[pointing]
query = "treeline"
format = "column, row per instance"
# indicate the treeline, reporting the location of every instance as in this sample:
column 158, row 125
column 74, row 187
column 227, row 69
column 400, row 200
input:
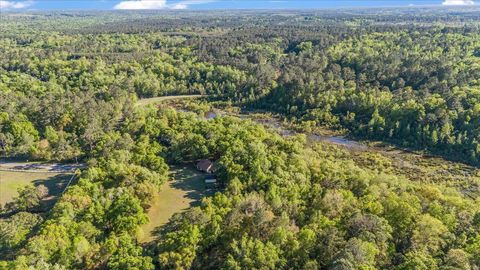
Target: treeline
column 416, row 87
column 285, row 205
column 60, row 94
column 96, row 221
column 413, row 84
column 419, row 90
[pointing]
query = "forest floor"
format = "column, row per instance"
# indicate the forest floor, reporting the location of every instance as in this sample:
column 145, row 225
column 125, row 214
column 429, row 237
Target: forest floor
column 10, row 181
column 185, row 189
column 148, row 101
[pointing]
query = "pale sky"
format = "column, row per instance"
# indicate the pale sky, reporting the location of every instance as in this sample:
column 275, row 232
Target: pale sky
column 216, row 4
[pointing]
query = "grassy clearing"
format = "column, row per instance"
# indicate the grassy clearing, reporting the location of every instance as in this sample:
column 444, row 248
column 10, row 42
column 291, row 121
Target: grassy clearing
column 148, row 101
column 184, row 190
column 11, row 181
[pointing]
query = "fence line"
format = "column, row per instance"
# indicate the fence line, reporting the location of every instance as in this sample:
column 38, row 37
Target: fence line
column 68, row 184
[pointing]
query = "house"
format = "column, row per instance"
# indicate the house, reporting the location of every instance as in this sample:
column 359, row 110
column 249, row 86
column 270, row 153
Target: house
column 210, row 182
column 205, row 165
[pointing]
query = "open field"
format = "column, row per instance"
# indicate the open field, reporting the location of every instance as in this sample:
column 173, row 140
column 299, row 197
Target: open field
column 148, row 101
column 10, row 181
column 184, row 190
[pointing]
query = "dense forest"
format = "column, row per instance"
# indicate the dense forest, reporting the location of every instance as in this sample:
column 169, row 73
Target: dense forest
column 69, row 84
column 414, row 85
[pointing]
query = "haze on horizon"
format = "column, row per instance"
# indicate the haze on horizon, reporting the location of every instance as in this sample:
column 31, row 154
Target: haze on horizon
column 32, row 5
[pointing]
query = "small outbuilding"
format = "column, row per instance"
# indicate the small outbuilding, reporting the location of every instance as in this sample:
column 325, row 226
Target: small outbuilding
column 205, row 165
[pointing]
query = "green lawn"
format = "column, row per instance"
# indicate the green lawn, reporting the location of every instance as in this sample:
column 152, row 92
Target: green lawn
column 147, row 101
column 184, row 190
column 11, row 181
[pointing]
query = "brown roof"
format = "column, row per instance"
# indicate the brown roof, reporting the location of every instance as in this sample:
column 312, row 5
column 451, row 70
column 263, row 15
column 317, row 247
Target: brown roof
column 205, row 165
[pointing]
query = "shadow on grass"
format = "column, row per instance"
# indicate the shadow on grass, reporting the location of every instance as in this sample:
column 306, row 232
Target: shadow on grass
column 189, row 180
column 55, row 184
